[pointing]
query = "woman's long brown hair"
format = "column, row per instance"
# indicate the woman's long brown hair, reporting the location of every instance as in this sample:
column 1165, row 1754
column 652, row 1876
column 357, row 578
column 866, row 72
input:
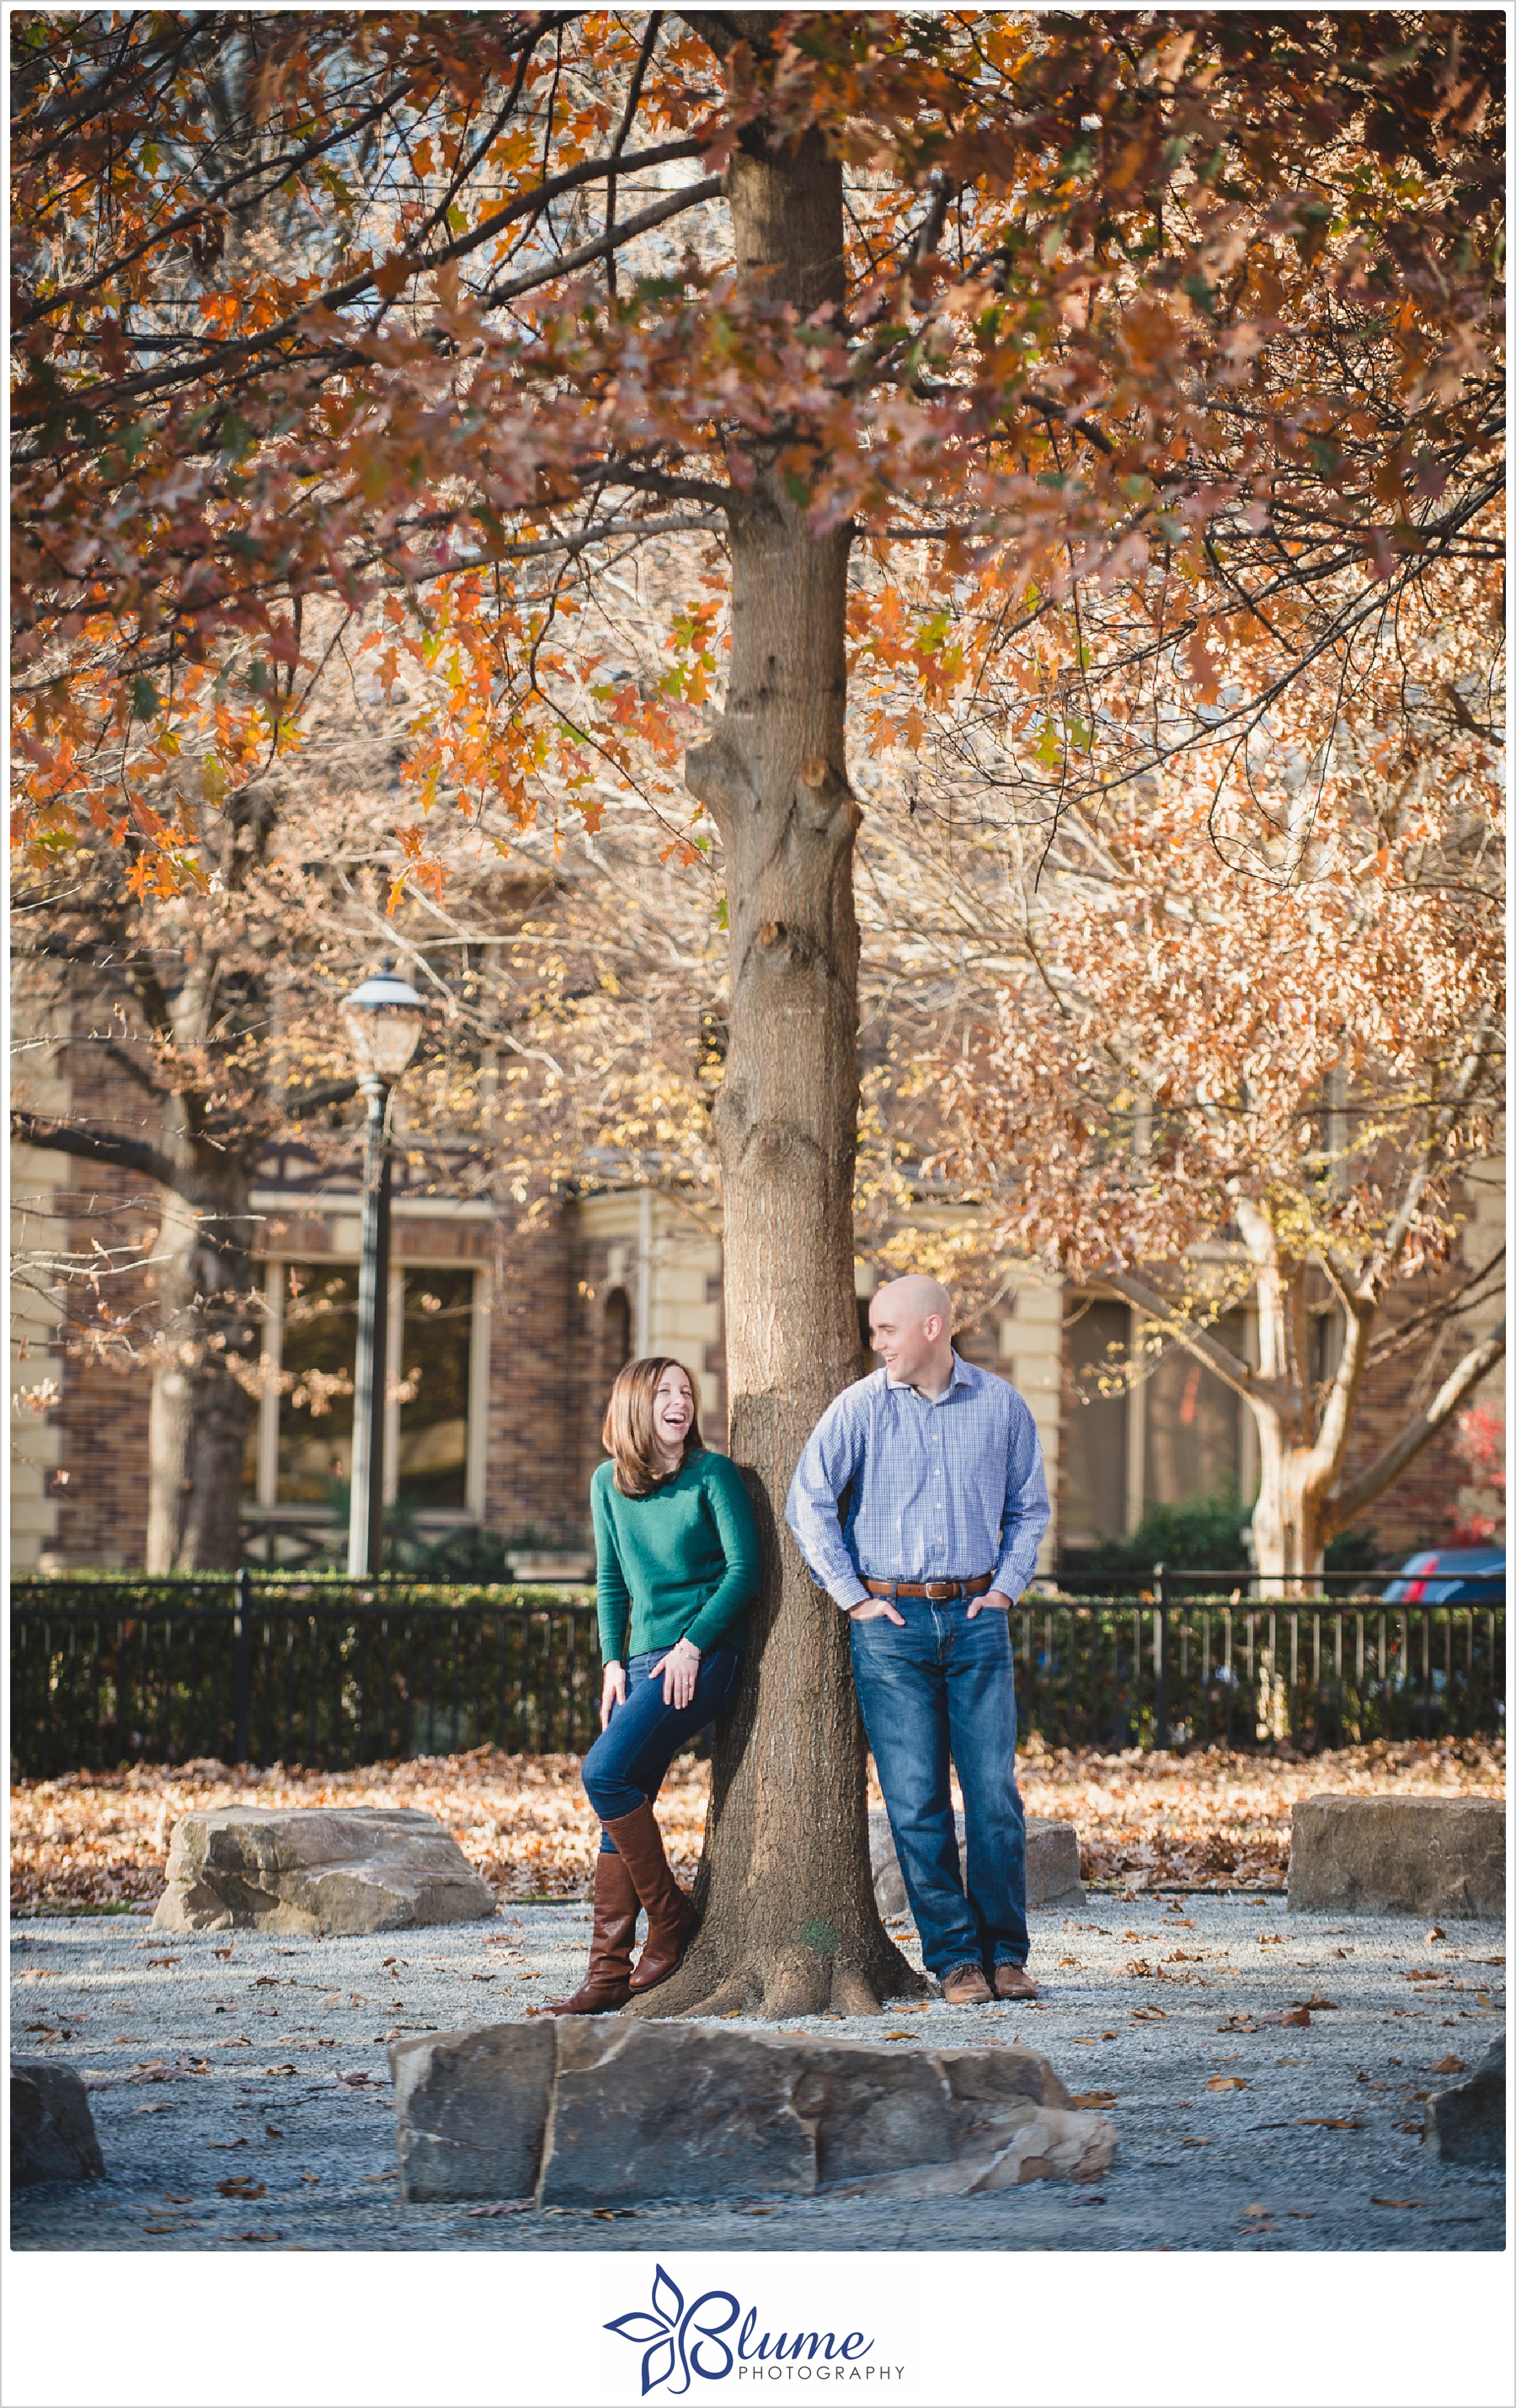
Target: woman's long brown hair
column 628, row 1433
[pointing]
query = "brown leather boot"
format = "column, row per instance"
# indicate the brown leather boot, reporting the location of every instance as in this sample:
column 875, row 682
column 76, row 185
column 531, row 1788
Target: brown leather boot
column 671, row 1917
column 607, row 1983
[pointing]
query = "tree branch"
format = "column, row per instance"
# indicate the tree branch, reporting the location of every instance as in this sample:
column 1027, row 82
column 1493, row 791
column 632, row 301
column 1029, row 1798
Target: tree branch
column 1219, row 1358
column 93, row 1145
column 1350, row 1502
column 607, row 243
column 316, row 1099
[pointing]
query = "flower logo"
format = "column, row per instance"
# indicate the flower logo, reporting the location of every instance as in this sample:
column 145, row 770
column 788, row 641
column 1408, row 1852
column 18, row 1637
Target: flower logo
column 664, row 2336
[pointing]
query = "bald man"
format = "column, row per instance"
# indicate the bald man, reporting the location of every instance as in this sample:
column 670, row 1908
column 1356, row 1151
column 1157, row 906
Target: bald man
column 946, row 1503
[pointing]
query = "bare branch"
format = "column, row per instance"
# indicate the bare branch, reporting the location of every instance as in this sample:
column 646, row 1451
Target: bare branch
column 1387, row 1467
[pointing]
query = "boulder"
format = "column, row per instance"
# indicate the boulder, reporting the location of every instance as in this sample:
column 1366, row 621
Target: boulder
column 1052, row 1865
column 610, row 2111
column 1438, row 1856
column 52, row 2129
column 472, row 2110
column 305, row 1869
column 1466, row 2122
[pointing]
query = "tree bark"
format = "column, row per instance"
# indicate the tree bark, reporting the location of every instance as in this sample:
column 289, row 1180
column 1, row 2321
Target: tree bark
column 789, row 1924
column 199, row 1417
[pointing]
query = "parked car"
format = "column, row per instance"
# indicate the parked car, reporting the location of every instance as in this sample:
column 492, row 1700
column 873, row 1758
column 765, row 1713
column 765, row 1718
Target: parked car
column 1450, row 1576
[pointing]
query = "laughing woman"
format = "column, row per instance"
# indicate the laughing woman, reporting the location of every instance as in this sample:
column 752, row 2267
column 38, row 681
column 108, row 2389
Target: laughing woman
column 678, row 1558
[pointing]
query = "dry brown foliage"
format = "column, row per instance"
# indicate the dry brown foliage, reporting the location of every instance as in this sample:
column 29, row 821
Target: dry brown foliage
column 1214, row 1821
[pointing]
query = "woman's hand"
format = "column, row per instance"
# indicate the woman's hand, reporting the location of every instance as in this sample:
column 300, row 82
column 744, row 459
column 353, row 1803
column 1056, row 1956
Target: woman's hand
column 680, row 1669
column 612, row 1690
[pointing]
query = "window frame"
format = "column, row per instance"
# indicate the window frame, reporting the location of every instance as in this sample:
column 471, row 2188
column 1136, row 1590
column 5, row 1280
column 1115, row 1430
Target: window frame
column 264, row 1505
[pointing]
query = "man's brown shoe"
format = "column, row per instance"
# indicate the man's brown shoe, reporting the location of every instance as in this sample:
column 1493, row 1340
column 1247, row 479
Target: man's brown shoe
column 1014, row 1982
column 965, row 1986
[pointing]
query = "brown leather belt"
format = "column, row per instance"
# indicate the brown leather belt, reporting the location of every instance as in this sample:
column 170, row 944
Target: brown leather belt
column 938, row 1590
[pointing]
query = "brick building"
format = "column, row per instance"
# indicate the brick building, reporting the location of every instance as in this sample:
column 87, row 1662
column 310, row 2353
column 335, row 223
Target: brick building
column 506, row 1337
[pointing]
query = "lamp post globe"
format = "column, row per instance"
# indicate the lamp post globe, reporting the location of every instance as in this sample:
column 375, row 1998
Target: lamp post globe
column 384, row 1020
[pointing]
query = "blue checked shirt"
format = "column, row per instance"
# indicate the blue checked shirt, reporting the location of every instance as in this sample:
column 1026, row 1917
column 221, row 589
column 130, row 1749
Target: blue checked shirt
column 941, row 1491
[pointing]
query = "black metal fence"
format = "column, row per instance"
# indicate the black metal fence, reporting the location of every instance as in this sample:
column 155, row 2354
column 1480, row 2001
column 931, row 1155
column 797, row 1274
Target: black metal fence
column 328, row 1673
column 317, row 1671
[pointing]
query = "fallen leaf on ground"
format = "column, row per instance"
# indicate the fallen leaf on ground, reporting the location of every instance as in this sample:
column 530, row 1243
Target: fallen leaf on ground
column 273, row 2132
column 1093, row 2098
column 508, row 2207
column 1334, row 2122
column 1437, row 1932
column 1298, row 2015
column 238, row 2144
column 1318, row 2005
column 311, row 2178
column 1226, row 2082
column 256, row 2236
column 1450, row 2065
column 241, row 2187
column 1195, row 2144
column 1302, row 2214
column 1397, row 2202
column 1216, row 1821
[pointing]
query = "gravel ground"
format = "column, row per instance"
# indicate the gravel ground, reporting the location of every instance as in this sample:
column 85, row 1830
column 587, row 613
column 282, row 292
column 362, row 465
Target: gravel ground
column 233, row 2059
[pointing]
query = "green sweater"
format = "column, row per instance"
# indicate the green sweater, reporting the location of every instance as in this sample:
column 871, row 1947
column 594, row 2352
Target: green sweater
column 680, row 1564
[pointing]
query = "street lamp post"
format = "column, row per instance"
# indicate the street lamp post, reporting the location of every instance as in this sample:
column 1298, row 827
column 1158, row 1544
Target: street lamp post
column 384, row 1021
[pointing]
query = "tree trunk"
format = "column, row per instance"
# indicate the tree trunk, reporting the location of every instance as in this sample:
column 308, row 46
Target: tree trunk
column 789, row 1924
column 1288, row 1542
column 197, row 1423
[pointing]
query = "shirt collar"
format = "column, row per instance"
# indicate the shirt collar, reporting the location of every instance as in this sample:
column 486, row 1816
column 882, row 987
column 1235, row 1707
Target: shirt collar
column 962, row 1377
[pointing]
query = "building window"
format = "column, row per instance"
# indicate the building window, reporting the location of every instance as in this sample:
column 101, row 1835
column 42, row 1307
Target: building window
column 1096, row 1431
column 300, row 1451
column 1195, row 1430
column 616, row 1332
column 431, row 1459
column 318, row 1340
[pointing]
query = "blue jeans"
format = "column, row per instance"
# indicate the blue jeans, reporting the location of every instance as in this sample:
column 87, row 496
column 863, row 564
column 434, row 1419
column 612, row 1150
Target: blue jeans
column 945, row 1685
column 625, row 1767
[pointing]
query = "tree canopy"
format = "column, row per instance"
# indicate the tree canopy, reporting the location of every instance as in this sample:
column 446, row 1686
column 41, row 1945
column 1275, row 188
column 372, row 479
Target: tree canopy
column 1169, row 346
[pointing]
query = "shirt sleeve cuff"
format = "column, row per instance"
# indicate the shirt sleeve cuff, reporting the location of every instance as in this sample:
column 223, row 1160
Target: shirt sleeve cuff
column 1005, row 1582
column 850, row 1594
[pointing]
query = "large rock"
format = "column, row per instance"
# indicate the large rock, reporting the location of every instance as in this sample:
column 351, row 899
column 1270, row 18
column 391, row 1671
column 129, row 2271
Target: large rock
column 1437, row 1856
column 1052, row 1865
column 317, row 1869
column 1466, row 2122
column 472, row 2111
column 618, row 2111
column 52, row 2129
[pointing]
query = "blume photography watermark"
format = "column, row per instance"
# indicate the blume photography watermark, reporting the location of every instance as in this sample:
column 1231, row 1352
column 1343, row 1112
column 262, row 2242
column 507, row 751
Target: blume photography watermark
column 716, row 2339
